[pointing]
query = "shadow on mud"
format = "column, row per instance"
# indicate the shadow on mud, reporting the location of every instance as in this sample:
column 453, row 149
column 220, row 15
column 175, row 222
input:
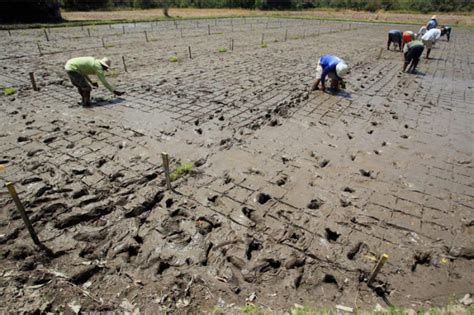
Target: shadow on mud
column 107, row 102
column 340, row 93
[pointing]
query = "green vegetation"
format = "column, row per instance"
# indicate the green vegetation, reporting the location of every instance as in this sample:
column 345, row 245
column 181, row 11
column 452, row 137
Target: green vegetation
column 222, row 50
column 264, row 45
column 173, row 58
column 181, row 169
column 369, row 5
column 9, row 90
column 299, row 310
column 251, row 309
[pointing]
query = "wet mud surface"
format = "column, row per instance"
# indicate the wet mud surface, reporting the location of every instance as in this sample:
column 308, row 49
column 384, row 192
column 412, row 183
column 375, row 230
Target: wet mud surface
column 292, row 197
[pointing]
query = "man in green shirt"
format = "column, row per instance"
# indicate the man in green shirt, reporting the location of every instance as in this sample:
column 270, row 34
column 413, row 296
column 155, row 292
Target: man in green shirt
column 412, row 52
column 79, row 69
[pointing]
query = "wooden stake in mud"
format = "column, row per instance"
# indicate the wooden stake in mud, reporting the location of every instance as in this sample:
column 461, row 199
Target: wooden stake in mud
column 232, row 44
column 39, row 48
column 286, row 35
column 123, row 29
column 9, row 33
column 263, row 39
column 46, row 35
column 208, row 29
column 189, row 50
column 377, row 268
column 21, row 209
column 166, row 166
column 380, row 53
column 146, row 36
column 304, row 33
column 350, row 26
column 124, row 64
column 89, row 32
column 181, row 31
column 33, row 81
column 175, row 24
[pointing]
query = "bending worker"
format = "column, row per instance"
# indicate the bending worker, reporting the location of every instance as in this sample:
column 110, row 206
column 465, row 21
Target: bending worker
column 412, row 52
column 333, row 67
column 429, row 39
column 446, row 30
column 395, row 37
column 79, row 69
column 407, row 37
column 432, row 23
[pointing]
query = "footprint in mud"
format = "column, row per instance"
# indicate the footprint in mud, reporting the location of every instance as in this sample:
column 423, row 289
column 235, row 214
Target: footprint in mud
column 331, row 235
column 262, row 198
column 22, row 139
column 421, row 258
column 366, row 173
column 356, row 250
column 315, row 204
column 348, row 189
column 282, row 180
column 328, row 278
column 212, row 198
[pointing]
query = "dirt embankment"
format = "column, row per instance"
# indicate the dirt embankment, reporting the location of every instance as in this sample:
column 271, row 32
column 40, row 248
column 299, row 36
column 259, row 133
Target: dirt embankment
column 381, row 16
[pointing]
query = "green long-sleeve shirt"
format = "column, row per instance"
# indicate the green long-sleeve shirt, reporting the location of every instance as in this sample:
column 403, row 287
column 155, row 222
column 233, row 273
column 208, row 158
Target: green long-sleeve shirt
column 88, row 66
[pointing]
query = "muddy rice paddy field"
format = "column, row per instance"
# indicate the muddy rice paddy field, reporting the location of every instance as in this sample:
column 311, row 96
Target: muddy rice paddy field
column 287, row 196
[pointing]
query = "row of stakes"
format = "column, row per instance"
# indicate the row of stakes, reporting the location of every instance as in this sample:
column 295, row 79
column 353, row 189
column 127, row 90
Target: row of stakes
column 181, row 33
column 46, row 31
column 166, row 166
column 231, row 46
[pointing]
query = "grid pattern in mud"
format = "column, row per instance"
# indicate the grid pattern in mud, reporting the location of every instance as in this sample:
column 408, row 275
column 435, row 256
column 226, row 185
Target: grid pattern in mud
column 293, row 194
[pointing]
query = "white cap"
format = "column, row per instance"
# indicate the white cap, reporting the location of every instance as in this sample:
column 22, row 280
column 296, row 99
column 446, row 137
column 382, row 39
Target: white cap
column 342, row 69
column 433, row 17
column 106, row 62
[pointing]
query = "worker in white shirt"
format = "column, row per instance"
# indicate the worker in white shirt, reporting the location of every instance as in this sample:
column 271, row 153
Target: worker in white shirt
column 429, row 39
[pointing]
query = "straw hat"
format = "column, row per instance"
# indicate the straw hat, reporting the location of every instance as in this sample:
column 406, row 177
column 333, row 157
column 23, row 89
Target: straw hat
column 106, row 62
column 433, row 17
column 342, row 69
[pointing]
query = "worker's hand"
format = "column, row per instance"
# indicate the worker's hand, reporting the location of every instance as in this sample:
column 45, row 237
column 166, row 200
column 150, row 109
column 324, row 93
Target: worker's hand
column 119, row 93
column 95, row 84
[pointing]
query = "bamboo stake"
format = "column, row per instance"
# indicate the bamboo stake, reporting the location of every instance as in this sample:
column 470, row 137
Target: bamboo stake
column 166, row 166
column 380, row 53
column 46, row 35
column 33, row 81
column 146, row 36
column 124, row 64
column 39, row 48
column 190, row 55
column 24, row 216
column 377, row 268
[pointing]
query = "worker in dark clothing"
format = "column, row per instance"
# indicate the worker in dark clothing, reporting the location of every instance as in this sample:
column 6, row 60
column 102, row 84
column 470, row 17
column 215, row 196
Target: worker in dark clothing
column 446, row 30
column 395, row 37
column 412, row 51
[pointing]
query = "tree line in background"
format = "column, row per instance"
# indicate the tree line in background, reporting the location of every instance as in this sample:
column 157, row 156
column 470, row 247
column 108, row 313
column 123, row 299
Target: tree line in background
column 370, row 5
